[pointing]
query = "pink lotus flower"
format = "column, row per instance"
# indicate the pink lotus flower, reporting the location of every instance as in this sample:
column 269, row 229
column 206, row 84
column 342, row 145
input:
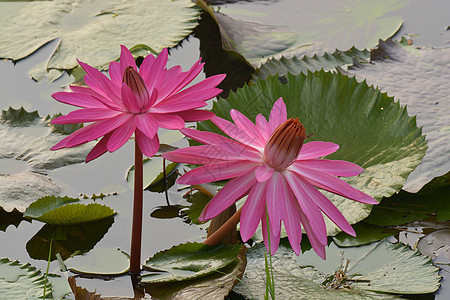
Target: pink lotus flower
column 270, row 164
column 133, row 101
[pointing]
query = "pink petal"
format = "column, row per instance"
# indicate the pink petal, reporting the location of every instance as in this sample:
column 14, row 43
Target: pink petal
column 148, row 146
column 243, row 123
column 88, row 91
column 276, row 197
column 263, row 126
column 200, row 155
column 77, row 138
column 114, row 73
column 278, row 115
column 103, row 127
column 332, row 184
column 292, row 222
column 333, row 167
column 236, row 133
column 229, row 194
column 263, row 172
column 317, row 149
column 216, row 171
column 157, row 72
column 100, row 83
column 146, row 66
column 86, row 115
column 190, row 100
column 315, row 218
column 173, row 77
column 99, row 149
column 147, row 124
column 253, row 210
column 126, row 59
column 129, row 99
column 169, row 121
column 121, row 135
column 176, row 107
column 318, row 247
column 227, row 144
column 78, row 99
column 187, row 77
column 274, row 236
column 195, row 115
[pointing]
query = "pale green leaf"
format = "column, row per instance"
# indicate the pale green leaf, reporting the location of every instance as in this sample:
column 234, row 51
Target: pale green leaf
column 100, row 261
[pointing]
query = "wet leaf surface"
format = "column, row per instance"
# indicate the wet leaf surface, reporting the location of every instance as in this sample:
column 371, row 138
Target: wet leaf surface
column 100, row 261
column 420, row 79
column 371, row 130
column 365, row 234
column 80, row 28
column 189, row 261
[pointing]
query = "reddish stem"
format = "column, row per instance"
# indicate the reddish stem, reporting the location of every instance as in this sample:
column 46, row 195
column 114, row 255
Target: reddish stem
column 136, row 231
column 229, row 225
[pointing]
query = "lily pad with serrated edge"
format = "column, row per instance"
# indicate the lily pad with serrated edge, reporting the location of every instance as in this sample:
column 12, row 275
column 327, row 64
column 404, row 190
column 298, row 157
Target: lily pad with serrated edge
column 81, row 27
column 189, row 261
column 371, row 129
column 420, row 78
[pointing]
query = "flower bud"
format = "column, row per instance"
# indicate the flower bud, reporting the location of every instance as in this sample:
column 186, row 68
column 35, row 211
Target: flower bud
column 135, row 82
column 284, row 145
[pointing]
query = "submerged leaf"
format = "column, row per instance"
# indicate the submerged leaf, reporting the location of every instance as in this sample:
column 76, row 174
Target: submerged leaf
column 419, row 77
column 371, row 129
column 100, row 261
column 81, row 28
column 154, row 176
column 365, row 234
column 189, row 261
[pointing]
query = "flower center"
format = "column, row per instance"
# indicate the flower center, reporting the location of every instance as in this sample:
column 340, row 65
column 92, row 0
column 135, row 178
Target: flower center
column 135, row 82
column 284, row 145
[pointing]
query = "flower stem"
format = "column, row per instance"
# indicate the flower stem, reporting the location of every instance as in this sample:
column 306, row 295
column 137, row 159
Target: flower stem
column 136, row 231
column 229, row 225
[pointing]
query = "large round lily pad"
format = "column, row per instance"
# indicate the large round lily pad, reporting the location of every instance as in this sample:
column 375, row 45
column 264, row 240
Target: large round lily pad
column 371, row 129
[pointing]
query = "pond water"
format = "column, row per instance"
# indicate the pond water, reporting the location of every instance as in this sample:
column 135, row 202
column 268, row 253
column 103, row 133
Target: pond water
column 107, row 174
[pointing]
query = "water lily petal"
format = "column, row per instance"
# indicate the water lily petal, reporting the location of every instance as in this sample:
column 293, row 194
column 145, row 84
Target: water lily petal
column 195, row 115
column 121, row 135
column 274, row 236
column 86, row 115
column 243, row 123
column 317, row 149
column 278, row 115
column 203, row 154
column 318, row 247
column 333, row 167
column 108, row 125
column 146, row 66
column 235, row 132
column 169, row 121
column 174, row 76
column 263, row 126
column 99, row 149
column 263, row 172
column 253, row 210
column 187, row 77
column 78, row 99
column 276, row 195
column 332, row 184
column 147, row 124
column 88, row 91
column 126, row 59
column 114, row 73
column 292, row 222
column 216, row 171
column 157, row 72
column 229, row 194
column 129, row 99
column 148, row 146
column 77, row 138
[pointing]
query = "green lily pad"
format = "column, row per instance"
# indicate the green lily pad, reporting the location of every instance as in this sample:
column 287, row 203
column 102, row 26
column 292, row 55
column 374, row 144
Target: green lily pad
column 153, row 174
column 23, row 281
column 365, row 234
column 27, row 139
column 56, row 211
column 405, row 207
column 198, row 202
column 318, row 26
column 381, row 267
column 100, row 261
column 67, row 240
column 291, row 280
column 80, row 28
column 371, row 129
column 214, row 286
column 189, row 261
column 419, row 77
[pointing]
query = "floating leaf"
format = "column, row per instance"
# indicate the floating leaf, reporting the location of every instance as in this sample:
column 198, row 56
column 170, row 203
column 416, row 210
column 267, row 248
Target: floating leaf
column 100, row 261
column 381, row 267
column 67, row 240
column 199, row 201
column 81, row 28
column 365, row 234
column 371, row 130
column 291, row 280
column 166, row 212
column 45, row 205
column 153, row 175
column 214, row 286
column 23, row 281
column 420, row 79
column 317, row 26
column 189, row 261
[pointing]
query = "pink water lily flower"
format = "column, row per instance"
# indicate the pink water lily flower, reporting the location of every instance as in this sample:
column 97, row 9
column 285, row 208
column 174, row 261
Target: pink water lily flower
column 269, row 163
column 135, row 101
